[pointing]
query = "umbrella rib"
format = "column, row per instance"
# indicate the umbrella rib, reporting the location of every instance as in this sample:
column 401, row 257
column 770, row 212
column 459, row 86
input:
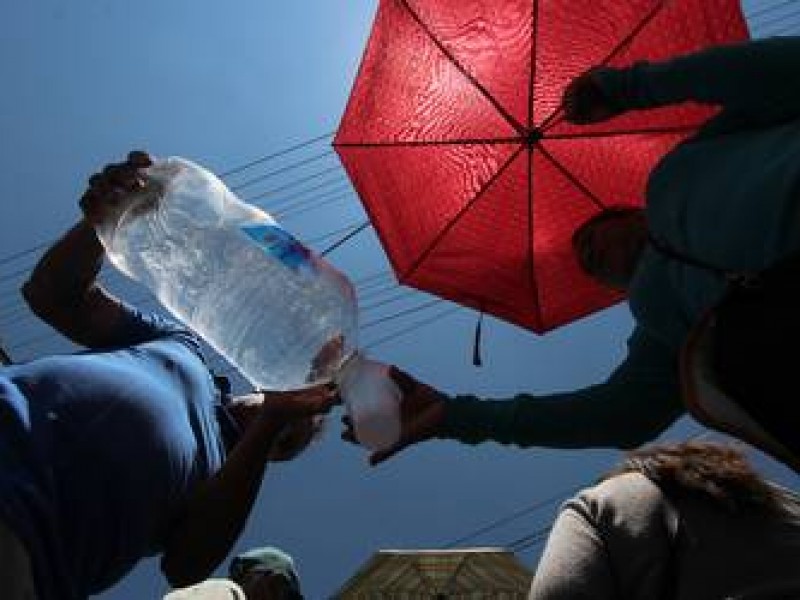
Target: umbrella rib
column 508, row 117
column 534, row 54
column 531, row 265
column 622, row 132
column 574, row 180
column 452, row 223
column 419, row 143
column 556, row 116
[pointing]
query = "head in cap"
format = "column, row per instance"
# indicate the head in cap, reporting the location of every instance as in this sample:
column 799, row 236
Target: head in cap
column 266, row 573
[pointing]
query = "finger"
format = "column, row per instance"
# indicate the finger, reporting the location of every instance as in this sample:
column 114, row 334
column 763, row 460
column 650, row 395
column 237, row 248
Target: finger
column 404, row 381
column 380, row 456
column 317, row 406
column 139, row 159
column 123, row 175
column 96, row 180
column 349, row 436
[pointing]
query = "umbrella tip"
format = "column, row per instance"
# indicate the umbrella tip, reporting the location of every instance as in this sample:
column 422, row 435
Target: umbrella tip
column 533, row 136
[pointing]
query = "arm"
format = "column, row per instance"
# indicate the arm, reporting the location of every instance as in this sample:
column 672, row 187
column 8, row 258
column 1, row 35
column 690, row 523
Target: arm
column 63, row 289
column 638, row 401
column 611, row 541
column 217, row 511
column 574, row 564
column 757, row 78
column 64, row 293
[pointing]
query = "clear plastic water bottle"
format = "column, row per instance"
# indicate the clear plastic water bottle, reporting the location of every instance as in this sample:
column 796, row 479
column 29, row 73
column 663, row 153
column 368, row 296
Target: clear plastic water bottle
column 274, row 309
column 372, row 400
column 281, row 314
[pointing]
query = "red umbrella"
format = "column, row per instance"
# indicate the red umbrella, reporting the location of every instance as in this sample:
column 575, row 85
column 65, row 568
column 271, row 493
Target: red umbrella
column 453, row 139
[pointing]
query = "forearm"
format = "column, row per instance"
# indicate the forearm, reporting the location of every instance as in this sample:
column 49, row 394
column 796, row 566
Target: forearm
column 218, row 510
column 752, row 76
column 63, row 289
column 66, row 272
column 602, row 416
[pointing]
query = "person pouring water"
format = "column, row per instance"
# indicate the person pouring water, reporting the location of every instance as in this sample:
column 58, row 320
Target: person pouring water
column 129, row 449
column 724, row 201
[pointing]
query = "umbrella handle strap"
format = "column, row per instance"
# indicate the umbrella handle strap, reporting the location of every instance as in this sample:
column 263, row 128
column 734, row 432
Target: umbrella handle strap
column 476, row 347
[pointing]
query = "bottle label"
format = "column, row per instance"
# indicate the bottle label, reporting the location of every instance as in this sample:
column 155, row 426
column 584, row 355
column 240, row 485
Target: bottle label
column 279, row 244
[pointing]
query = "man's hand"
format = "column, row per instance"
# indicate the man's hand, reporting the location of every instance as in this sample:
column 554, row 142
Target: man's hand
column 295, row 417
column 586, row 102
column 421, row 415
column 111, row 186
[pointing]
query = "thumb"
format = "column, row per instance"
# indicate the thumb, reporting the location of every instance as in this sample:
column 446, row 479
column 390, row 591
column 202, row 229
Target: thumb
column 380, row 456
column 404, row 381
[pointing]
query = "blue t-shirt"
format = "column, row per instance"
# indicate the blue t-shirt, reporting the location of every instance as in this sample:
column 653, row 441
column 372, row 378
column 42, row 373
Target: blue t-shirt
column 99, row 450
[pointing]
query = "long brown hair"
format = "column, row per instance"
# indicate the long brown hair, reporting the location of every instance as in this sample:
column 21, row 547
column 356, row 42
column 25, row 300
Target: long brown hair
column 719, row 473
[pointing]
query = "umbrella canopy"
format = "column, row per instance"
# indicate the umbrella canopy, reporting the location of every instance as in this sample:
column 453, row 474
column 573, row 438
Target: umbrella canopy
column 454, row 140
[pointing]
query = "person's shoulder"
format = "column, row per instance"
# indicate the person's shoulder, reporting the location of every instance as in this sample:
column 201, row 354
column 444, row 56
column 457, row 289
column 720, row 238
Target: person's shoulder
column 210, row 589
column 627, row 498
column 136, row 327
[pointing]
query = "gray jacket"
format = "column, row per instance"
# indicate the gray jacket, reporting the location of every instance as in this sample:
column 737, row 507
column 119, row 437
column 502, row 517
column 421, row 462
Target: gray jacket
column 618, row 540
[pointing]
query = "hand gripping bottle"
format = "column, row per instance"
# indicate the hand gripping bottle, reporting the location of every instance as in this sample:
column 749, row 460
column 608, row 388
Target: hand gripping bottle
column 274, row 309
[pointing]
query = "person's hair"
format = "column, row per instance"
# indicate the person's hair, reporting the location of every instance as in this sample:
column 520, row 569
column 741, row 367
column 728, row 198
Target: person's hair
column 715, row 472
column 582, row 236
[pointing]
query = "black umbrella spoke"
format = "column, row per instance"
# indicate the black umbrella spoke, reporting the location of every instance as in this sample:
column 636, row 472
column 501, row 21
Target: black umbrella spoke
column 449, row 55
column 532, row 80
column 423, row 143
column 531, row 266
column 624, row 43
column 621, row 133
column 571, row 177
column 457, row 218
column 633, row 34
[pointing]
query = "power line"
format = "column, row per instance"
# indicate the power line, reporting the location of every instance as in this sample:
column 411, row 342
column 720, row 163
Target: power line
column 765, row 10
column 345, row 239
column 559, row 496
column 281, row 171
column 278, row 154
column 336, row 232
column 402, row 313
column 12, row 257
column 263, row 159
column 393, row 336
column 776, row 19
column 293, row 184
column 404, row 295
column 790, row 28
column 288, row 203
column 285, row 216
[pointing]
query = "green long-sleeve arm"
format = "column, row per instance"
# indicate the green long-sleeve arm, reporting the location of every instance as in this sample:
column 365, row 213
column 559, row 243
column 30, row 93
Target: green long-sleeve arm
column 756, row 80
column 639, row 401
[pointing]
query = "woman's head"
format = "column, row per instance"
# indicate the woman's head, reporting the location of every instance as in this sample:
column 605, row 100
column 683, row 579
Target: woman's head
column 719, row 473
column 608, row 246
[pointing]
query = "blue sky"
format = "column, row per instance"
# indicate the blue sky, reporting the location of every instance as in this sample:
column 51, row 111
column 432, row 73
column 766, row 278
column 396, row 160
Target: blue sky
column 225, row 83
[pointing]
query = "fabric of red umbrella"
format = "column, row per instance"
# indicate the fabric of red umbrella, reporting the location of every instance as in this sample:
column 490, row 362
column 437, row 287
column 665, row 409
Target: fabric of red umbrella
column 454, row 140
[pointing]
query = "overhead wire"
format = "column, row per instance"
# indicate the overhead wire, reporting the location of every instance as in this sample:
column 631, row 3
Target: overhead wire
column 291, row 214
column 9, row 310
column 280, row 171
column 752, row 17
column 278, row 154
column 777, row 19
column 413, row 327
column 771, row 8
